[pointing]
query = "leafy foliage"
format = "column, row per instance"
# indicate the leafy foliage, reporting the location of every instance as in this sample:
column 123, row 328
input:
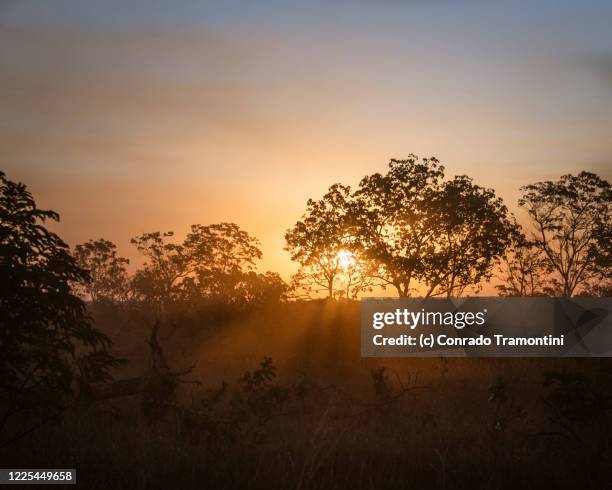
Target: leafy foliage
column 474, row 232
column 407, row 229
column 214, row 262
column 522, row 269
column 394, row 215
column 571, row 221
column 108, row 277
column 47, row 341
column 323, row 243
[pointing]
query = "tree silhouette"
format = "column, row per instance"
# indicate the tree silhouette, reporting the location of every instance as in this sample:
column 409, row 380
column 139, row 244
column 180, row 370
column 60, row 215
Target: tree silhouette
column 571, row 227
column 474, row 231
column 323, row 244
column 247, row 289
column 167, row 264
column 107, row 271
column 394, row 215
column 407, row 228
column 47, row 342
column 219, row 252
column 356, row 275
column 601, row 251
column 215, row 262
column 522, row 269
column 421, row 231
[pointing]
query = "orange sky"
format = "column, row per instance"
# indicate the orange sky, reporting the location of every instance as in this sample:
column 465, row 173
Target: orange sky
column 157, row 122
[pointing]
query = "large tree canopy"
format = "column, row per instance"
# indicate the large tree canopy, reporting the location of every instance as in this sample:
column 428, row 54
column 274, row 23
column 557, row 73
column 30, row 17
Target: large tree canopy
column 46, row 338
column 473, row 232
column 213, row 262
column 107, row 271
column 323, row 243
column 426, row 234
column 409, row 229
column 522, row 269
column 395, row 217
column 571, row 222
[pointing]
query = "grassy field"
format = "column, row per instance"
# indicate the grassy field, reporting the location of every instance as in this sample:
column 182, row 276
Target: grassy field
column 284, row 400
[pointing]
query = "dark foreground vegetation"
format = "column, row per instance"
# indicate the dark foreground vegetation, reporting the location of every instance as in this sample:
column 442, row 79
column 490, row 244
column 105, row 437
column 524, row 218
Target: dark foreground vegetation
column 198, row 371
column 317, row 416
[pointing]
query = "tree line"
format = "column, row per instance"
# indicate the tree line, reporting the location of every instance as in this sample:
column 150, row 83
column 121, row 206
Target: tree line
column 410, row 229
column 418, row 233
column 214, row 263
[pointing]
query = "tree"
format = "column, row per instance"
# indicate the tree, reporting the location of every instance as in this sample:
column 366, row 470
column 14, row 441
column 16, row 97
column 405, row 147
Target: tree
column 356, row 275
column 522, row 270
column 420, row 230
column 218, row 252
column 408, row 228
column 395, row 218
column 601, row 252
column 166, row 265
column 107, row 271
column 248, row 289
column 322, row 243
column 571, row 227
column 213, row 262
column 47, row 341
column 474, row 232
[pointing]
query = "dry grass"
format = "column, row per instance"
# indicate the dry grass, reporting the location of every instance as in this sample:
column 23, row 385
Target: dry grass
column 333, row 420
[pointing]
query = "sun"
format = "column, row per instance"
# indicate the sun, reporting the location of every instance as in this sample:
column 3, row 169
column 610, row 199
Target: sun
column 345, row 259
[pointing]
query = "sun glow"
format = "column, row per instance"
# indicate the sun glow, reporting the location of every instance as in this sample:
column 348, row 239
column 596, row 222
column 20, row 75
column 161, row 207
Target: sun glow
column 345, row 259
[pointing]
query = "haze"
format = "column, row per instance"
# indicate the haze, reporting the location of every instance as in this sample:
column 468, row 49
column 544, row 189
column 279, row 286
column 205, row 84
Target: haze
column 127, row 119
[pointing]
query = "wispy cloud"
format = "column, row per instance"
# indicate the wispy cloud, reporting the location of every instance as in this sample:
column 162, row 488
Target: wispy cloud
column 207, row 114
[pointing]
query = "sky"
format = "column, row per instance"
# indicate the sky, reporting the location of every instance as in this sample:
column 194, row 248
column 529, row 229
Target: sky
column 130, row 116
